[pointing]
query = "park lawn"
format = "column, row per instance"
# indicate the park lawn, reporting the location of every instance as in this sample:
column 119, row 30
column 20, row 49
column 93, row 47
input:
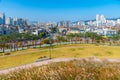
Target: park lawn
column 31, row 50
column 63, row 51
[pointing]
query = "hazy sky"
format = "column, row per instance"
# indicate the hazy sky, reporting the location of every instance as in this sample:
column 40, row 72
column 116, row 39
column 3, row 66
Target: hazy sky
column 54, row 10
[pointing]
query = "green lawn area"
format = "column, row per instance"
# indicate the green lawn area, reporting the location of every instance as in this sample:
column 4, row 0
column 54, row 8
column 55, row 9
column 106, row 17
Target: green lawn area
column 63, row 51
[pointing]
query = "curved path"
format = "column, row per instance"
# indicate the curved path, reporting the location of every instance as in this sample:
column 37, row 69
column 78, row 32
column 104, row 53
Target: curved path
column 35, row 64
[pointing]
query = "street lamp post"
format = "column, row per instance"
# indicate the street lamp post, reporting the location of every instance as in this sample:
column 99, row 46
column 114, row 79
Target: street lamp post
column 50, row 48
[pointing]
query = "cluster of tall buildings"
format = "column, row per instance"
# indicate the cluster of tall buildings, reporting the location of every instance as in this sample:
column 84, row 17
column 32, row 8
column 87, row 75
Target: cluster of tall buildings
column 12, row 21
column 16, row 21
column 101, row 21
column 64, row 23
column 100, row 25
column 9, row 25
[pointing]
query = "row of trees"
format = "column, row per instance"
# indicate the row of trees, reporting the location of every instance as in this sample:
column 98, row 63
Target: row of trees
column 90, row 37
column 82, row 37
column 17, row 40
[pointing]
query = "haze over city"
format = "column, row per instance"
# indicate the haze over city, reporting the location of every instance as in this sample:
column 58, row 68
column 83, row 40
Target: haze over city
column 54, row 10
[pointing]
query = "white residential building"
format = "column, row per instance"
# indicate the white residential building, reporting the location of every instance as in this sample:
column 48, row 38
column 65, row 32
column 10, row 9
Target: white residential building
column 73, row 32
column 105, row 31
column 118, row 21
column 9, row 21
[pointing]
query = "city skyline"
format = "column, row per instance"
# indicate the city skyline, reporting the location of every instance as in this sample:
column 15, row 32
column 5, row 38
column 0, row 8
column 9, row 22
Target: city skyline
column 60, row 10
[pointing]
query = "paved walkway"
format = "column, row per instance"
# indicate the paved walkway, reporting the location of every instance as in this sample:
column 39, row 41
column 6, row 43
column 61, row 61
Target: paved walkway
column 34, row 65
column 56, row 60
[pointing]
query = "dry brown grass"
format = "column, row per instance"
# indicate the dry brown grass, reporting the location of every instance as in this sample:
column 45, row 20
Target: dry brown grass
column 73, row 70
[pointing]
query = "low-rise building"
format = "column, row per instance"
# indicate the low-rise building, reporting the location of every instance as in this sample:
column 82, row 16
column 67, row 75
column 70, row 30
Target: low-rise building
column 105, row 31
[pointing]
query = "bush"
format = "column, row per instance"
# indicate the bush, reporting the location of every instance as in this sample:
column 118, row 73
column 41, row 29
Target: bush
column 46, row 41
column 42, row 57
column 7, row 53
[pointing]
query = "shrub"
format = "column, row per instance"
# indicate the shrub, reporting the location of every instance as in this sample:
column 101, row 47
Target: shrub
column 46, row 41
column 7, row 53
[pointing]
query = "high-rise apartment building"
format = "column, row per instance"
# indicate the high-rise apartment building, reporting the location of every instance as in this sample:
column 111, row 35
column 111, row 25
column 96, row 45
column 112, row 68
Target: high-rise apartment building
column 62, row 23
column 100, row 20
column 9, row 21
column 67, row 23
column 2, row 19
column 97, row 20
column 97, row 17
column 15, row 21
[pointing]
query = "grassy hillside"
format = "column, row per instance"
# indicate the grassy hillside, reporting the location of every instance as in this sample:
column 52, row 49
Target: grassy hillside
column 73, row 70
column 63, row 51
